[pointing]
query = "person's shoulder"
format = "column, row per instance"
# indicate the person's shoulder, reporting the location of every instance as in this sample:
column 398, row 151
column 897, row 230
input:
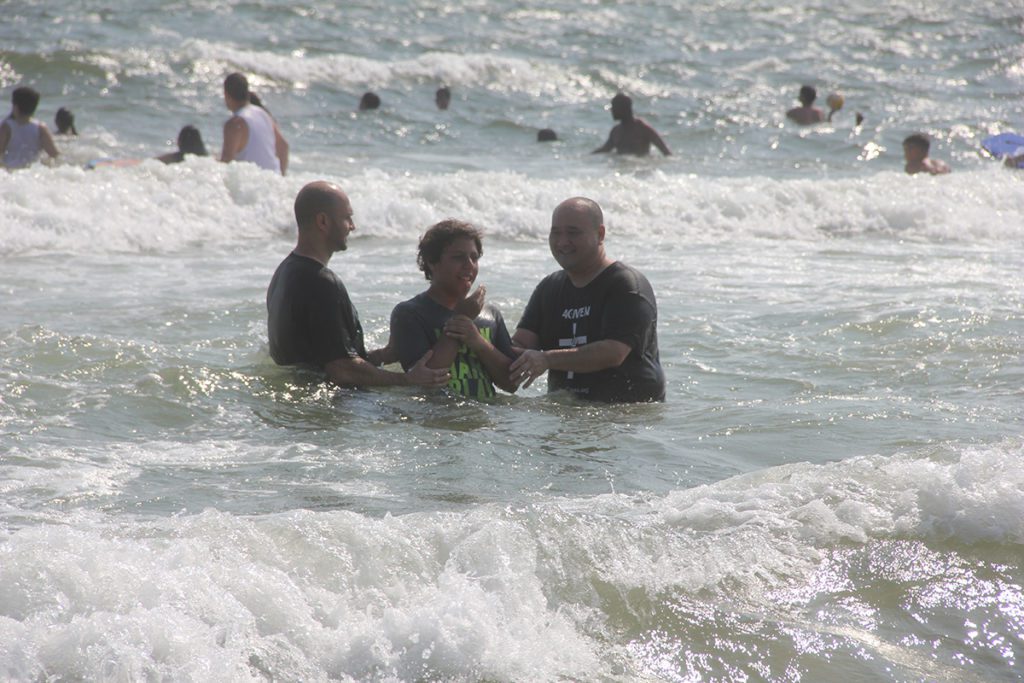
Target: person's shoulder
column 626, row 276
column 409, row 306
column 554, row 279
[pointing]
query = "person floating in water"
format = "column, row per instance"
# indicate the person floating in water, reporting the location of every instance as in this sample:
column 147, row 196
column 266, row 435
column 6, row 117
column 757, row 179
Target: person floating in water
column 22, row 138
column 546, row 135
column 631, row 135
column 592, row 326
column 369, row 101
column 443, row 97
column 65, row 121
column 915, row 152
column 465, row 334
column 189, row 142
column 251, row 134
column 311, row 319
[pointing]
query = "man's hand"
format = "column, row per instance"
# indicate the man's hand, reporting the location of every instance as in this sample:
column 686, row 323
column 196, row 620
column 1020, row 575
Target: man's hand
column 422, row 376
column 530, row 365
column 472, row 304
column 464, row 329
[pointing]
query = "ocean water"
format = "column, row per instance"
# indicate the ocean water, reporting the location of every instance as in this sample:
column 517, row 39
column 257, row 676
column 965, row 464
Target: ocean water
column 833, row 489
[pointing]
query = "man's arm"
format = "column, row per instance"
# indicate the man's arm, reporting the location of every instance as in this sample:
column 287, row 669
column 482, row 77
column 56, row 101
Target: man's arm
column 656, row 139
column 236, row 134
column 356, row 372
column 281, row 149
column 525, row 339
column 600, row 355
column 383, row 356
column 609, row 145
column 46, row 139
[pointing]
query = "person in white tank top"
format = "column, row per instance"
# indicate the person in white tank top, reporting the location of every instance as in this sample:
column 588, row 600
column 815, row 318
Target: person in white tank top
column 22, row 138
column 251, row 134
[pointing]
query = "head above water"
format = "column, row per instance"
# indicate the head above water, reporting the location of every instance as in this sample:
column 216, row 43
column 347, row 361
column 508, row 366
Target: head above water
column 236, row 88
column 577, row 236
column 918, row 141
column 369, row 100
column 25, row 100
column 190, row 141
column 807, row 95
column 546, row 135
column 442, row 234
column 443, row 97
column 65, row 121
column 315, row 198
column 622, row 107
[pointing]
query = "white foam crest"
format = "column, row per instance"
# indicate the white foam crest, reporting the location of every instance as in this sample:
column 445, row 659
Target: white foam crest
column 302, row 596
column 157, row 207
column 658, row 205
column 792, row 514
column 493, row 71
column 149, row 207
column 491, row 593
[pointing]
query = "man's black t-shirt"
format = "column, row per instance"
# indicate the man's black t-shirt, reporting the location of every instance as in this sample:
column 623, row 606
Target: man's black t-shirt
column 418, row 323
column 310, row 318
column 618, row 304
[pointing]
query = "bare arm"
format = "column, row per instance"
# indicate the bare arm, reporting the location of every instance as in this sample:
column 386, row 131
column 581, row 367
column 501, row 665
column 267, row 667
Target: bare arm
column 236, row 134
column 46, row 139
column 525, row 339
column 609, row 144
column 383, row 356
column 281, row 149
column 356, row 372
column 601, row 355
column 658, row 142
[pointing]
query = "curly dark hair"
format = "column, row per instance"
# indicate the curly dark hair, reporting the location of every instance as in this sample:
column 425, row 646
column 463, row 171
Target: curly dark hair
column 439, row 236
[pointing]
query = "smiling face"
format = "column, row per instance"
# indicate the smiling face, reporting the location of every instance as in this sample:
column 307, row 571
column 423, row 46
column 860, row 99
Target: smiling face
column 575, row 241
column 455, row 271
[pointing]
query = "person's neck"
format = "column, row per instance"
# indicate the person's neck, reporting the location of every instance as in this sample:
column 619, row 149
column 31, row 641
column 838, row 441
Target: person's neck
column 315, row 252
column 581, row 277
column 443, row 297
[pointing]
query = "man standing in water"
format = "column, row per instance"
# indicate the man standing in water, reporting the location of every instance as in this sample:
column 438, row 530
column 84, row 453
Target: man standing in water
column 631, row 135
column 310, row 317
column 251, row 134
column 592, row 326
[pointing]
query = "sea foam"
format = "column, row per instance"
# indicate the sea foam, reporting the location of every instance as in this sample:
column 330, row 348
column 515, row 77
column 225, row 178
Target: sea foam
column 153, row 207
column 525, row 592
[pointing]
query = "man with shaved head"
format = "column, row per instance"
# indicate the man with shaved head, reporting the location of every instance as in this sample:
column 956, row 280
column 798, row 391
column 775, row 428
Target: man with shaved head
column 310, row 317
column 592, row 326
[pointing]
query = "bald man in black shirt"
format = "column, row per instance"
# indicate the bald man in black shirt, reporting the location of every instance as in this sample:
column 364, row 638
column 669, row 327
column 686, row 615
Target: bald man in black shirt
column 310, row 317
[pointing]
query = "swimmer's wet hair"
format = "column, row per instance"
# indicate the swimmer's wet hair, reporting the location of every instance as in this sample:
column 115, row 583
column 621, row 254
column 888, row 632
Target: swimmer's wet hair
column 439, row 236
column 26, row 99
column 808, row 94
column 919, row 140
